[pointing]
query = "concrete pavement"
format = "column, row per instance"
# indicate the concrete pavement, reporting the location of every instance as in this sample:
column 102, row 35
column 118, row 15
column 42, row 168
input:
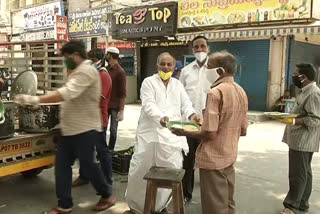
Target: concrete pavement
column 261, row 177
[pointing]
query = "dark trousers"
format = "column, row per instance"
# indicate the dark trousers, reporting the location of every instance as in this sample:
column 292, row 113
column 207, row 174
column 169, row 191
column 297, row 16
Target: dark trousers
column 113, row 113
column 105, row 159
column 300, row 181
column 188, row 166
column 69, row 148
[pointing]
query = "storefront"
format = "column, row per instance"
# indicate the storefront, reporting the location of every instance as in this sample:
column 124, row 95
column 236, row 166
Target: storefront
column 153, row 29
column 128, row 61
column 90, row 25
column 262, row 49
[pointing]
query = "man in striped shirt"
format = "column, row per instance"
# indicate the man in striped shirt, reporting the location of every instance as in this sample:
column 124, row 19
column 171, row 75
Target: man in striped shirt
column 302, row 135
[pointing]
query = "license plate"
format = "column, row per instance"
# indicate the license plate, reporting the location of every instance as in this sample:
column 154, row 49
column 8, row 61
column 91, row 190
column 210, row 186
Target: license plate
column 15, row 147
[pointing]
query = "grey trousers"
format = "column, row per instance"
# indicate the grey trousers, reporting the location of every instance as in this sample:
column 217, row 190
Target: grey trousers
column 300, row 181
column 217, row 189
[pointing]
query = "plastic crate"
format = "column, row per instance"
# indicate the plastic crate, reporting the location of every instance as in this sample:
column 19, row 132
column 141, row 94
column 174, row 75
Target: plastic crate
column 121, row 161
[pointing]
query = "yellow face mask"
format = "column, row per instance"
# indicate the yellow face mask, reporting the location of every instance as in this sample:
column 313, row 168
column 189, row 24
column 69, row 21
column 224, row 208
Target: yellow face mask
column 164, row 76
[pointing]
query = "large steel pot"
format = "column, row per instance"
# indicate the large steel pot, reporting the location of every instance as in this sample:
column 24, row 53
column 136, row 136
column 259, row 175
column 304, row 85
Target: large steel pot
column 41, row 118
column 6, row 119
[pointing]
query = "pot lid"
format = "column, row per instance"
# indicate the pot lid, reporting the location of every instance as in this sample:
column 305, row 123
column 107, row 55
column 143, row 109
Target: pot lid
column 25, row 83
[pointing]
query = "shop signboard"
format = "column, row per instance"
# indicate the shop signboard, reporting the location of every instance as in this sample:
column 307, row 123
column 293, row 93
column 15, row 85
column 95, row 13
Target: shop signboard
column 197, row 13
column 38, row 35
column 88, row 22
column 4, row 18
column 162, row 44
column 3, row 38
column 316, row 9
column 60, row 30
column 119, row 45
column 145, row 21
column 42, row 16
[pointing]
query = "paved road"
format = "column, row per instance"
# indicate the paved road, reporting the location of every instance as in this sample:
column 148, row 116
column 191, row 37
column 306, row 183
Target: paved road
column 261, row 181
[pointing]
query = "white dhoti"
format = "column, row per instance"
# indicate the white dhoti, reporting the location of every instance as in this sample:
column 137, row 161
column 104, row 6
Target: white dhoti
column 145, row 156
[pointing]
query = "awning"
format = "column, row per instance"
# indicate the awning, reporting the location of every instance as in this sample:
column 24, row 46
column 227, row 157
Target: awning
column 257, row 32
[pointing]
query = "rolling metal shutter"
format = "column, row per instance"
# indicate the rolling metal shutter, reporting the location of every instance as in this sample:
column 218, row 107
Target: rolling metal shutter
column 252, row 75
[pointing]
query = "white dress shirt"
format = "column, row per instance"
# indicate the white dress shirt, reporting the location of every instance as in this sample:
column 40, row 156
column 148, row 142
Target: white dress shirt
column 196, row 84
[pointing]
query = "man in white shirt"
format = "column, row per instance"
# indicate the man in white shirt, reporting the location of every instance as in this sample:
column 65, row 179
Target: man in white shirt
column 80, row 122
column 162, row 98
column 197, row 82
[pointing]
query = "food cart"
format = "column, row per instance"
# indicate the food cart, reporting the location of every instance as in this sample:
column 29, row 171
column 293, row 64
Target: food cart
column 27, row 140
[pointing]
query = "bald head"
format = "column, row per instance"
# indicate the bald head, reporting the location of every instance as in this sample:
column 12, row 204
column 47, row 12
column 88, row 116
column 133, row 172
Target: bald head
column 166, row 55
column 166, row 62
column 223, row 59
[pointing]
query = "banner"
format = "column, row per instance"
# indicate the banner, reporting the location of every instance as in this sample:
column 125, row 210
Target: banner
column 42, row 16
column 119, row 45
column 60, row 30
column 88, row 22
column 145, row 21
column 162, row 44
column 38, row 35
column 3, row 38
column 194, row 13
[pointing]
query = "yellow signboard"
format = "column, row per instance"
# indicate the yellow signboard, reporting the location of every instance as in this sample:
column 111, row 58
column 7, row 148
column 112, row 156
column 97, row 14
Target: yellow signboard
column 197, row 13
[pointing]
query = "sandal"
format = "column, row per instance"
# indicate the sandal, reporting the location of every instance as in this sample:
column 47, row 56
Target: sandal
column 79, row 182
column 58, row 210
column 104, row 204
column 287, row 211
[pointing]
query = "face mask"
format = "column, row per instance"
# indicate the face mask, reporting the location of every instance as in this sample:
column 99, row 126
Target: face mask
column 218, row 68
column 200, row 56
column 212, row 75
column 296, row 81
column 106, row 58
column 70, row 63
column 164, row 76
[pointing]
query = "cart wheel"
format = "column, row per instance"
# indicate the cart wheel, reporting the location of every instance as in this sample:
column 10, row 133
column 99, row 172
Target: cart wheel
column 31, row 173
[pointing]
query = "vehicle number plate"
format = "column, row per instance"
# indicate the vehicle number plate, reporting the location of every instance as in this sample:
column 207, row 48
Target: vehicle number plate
column 15, row 147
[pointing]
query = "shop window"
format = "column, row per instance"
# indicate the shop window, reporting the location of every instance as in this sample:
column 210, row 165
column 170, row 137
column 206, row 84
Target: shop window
column 127, row 63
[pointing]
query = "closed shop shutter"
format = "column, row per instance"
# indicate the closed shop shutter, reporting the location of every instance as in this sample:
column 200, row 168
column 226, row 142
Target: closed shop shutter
column 252, row 74
column 301, row 52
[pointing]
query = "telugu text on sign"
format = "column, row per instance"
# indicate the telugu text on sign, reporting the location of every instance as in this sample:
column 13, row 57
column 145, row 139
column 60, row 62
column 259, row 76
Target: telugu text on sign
column 88, row 22
column 193, row 13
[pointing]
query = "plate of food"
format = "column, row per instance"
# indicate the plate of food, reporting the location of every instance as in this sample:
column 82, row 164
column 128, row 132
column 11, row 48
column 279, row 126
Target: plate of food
column 279, row 115
column 186, row 126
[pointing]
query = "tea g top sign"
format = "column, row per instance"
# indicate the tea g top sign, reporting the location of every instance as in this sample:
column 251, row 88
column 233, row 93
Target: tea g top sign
column 147, row 21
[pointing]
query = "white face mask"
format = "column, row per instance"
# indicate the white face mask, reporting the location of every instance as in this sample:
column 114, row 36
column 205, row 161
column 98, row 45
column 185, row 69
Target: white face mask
column 212, row 75
column 200, row 56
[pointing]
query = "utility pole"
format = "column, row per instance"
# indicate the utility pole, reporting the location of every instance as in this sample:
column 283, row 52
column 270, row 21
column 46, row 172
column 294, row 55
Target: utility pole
column 106, row 19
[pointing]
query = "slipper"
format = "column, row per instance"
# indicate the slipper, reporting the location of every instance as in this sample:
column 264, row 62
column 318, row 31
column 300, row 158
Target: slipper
column 104, row 204
column 79, row 182
column 287, row 211
column 58, row 210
